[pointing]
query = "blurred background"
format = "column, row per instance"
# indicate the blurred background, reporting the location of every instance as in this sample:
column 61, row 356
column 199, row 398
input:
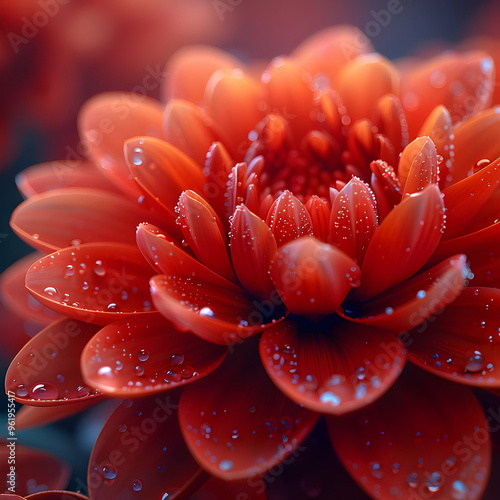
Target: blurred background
column 54, row 54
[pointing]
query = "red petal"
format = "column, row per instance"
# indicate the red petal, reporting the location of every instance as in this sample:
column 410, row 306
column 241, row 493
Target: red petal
column 16, row 297
column 391, row 121
column 62, row 174
column 238, row 417
column 405, row 240
column 333, row 115
column 46, row 372
column 146, row 428
column 465, row 199
column 189, row 70
column 438, row 127
column 162, row 170
column 236, row 189
column 218, row 489
column 289, row 219
column 407, row 305
column 235, row 103
column 252, row 248
column 418, row 167
column 362, row 146
column 363, row 81
column 167, row 258
column 319, row 213
column 140, row 357
column 107, row 120
column 34, row 470
column 386, row 187
column 64, row 217
column 444, row 443
column 326, row 52
column 97, row 282
column 213, row 312
column 189, row 129
column 461, row 343
column 331, row 367
column 290, row 94
column 313, row 277
column 56, row 495
column 354, row 219
column 203, row 232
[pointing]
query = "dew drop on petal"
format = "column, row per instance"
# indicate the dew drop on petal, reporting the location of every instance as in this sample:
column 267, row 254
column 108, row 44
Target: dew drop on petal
column 139, row 371
column 44, row 391
column 187, row 372
column 70, row 270
column 226, row 465
column 412, row 479
column 21, row 391
column 433, row 482
column 475, row 362
column 177, row 359
column 99, row 268
column 52, row 292
column 109, row 471
column 206, row 312
column 82, row 391
column 137, row 486
column 143, row 355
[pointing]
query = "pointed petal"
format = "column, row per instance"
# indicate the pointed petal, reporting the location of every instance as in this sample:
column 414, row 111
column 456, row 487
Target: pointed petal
column 167, row 258
column 235, row 103
column 319, row 212
column 362, row 145
column 418, row 167
column 62, row 174
column 331, row 367
column 46, row 372
column 328, row 50
column 97, row 282
column 189, row 129
column 236, row 188
column 141, row 357
column 290, row 93
column 427, row 457
column 461, row 342
column 16, row 297
column 76, row 215
column 203, row 232
column 391, row 121
column 354, row 219
column 465, row 199
column 213, row 312
column 239, row 417
column 162, row 170
column 438, row 127
column 386, row 187
column 189, row 70
column 407, row 305
column 333, row 115
column 289, row 219
column 146, row 428
column 252, row 248
column 34, row 469
column 363, row 81
column 403, row 243
column 107, row 120
column 313, row 277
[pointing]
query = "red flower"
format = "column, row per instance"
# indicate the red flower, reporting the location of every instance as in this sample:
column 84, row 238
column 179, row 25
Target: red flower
column 324, row 221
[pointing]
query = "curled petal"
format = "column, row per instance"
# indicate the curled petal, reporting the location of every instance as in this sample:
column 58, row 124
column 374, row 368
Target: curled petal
column 289, row 219
column 252, row 248
column 386, row 187
column 96, row 282
column 362, row 145
column 440, row 419
column 313, row 277
column 403, row 243
column 239, row 405
column 162, row 170
column 354, row 219
column 391, row 121
column 331, row 368
column 333, row 115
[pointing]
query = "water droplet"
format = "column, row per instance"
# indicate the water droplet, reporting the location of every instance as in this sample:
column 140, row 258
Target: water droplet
column 44, row 391
column 137, row 486
column 396, row 468
column 122, row 427
column 433, row 482
column 99, row 268
column 475, row 362
column 21, row 391
column 252, row 409
column 36, row 236
column 329, row 397
column 421, row 294
column 82, row 391
column 143, row 355
column 412, row 479
column 112, row 306
column 139, row 371
column 70, row 270
column 53, row 293
column 137, row 156
column 375, row 470
column 389, row 310
column 119, row 365
column 109, row 471
column 75, row 242
column 177, row 359
column 226, row 465
column 172, row 375
column 187, row 372
column 206, row 312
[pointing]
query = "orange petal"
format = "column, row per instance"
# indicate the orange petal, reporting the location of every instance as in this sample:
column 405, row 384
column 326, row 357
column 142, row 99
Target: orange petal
column 252, row 248
column 96, row 282
column 141, row 357
column 63, row 217
column 332, row 114
column 313, row 277
column 354, row 219
column 213, row 312
column 331, row 368
column 363, row 81
column 189, row 129
column 418, row 166
column 391, row 121
column 411, row 303
column 204, row 234
column 235, row 102
column 189, row 70
column 162, row 170
column 289, row 219
column 386, row 187
column 403, row 243
column 107, row 120
column 363, row 146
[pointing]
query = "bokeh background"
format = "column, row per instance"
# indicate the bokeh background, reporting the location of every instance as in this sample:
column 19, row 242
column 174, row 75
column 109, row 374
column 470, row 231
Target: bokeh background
column 82, row 48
